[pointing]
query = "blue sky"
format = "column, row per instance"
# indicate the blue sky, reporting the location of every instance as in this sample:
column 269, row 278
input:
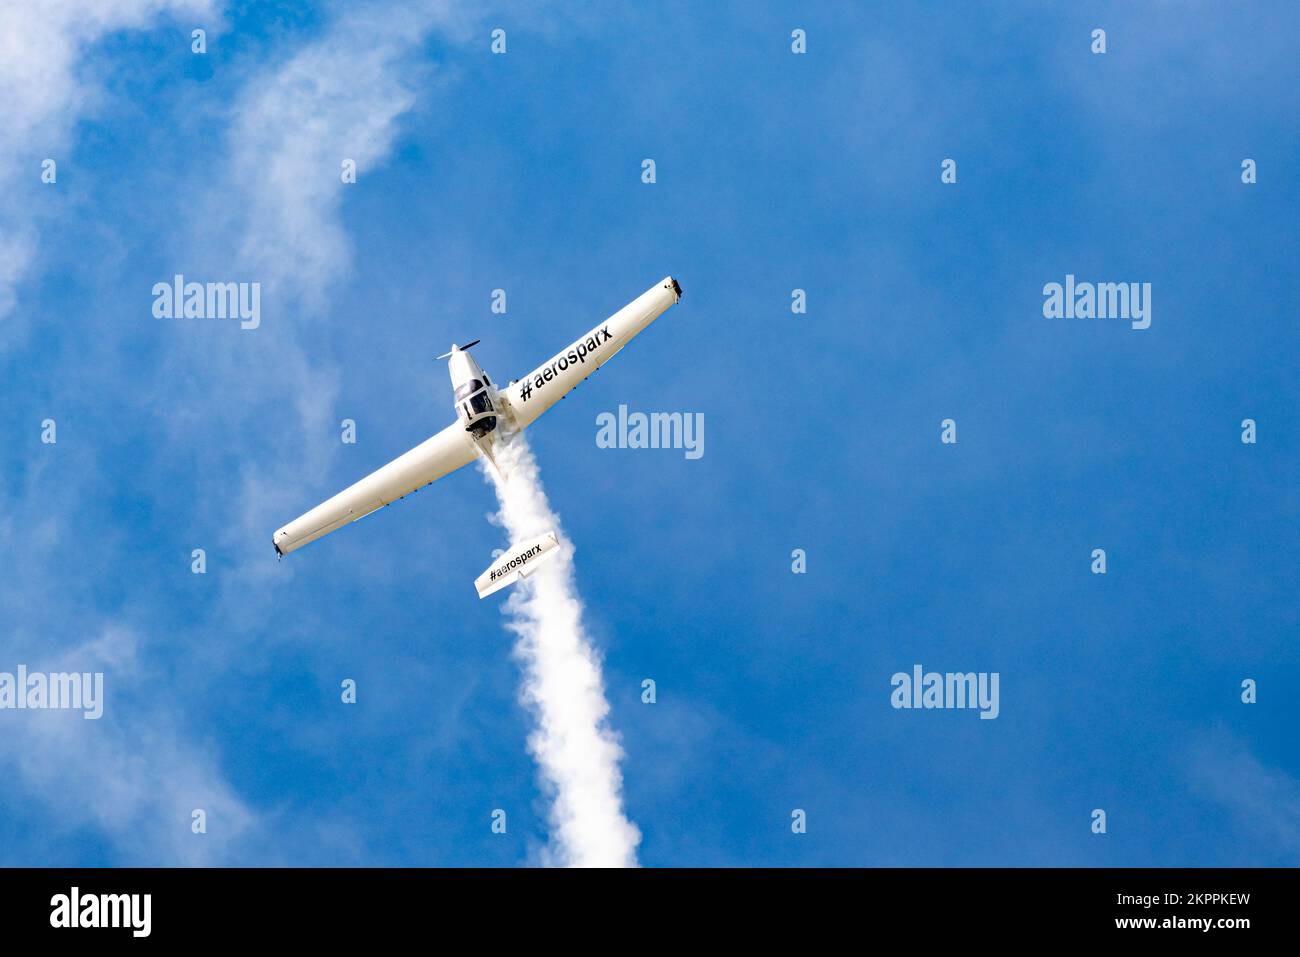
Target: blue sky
column 775, row 171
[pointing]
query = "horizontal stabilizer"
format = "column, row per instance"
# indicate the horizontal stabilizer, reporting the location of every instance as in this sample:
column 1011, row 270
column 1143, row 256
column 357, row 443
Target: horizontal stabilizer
column 517, row 561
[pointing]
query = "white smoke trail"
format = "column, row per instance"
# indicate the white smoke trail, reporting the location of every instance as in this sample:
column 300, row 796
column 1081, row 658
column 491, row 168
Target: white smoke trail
column 577, row 752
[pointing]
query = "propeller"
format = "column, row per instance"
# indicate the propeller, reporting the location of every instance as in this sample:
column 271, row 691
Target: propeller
column 464, row 348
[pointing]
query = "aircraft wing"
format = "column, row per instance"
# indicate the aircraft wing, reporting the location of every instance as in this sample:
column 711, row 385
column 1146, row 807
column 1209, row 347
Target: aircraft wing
column 550, row 382
column 430, row 460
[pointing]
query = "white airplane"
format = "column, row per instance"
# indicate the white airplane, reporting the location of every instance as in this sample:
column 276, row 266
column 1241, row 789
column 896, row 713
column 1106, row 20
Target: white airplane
column 481, row 411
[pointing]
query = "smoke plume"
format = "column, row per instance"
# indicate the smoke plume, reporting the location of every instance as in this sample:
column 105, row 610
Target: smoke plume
column 576, row 751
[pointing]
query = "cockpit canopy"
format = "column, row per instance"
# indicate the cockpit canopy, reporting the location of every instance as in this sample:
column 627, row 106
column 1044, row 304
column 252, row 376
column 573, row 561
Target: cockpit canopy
column 475, row 405
column 467, row 387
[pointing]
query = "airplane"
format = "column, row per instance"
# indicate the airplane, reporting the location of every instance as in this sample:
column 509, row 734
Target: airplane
column 483, row 414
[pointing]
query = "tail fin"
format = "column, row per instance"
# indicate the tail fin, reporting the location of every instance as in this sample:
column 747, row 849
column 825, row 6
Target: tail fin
column 516, row 562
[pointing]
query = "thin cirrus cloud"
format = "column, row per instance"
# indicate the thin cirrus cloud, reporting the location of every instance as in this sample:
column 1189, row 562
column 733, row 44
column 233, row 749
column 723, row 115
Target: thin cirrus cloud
column 338, row 98
column 135, row 777
column 128, row 774
column 1263, row 801
column 44, row 91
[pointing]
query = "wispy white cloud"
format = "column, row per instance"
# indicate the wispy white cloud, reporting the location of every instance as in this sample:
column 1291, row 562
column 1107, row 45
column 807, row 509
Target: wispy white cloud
column 130, row 773
column 134, row 775
column 44, row 91
column 338, row 98
column 273, row 214
column 1264, row 800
